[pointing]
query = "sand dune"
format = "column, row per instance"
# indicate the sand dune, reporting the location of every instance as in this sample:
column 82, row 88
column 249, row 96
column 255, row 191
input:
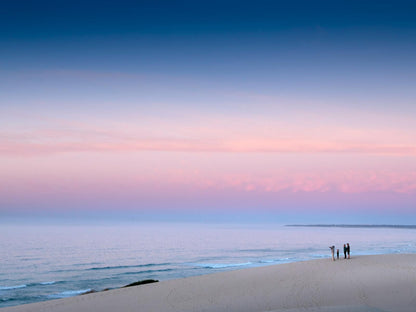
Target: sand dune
column 364, row 283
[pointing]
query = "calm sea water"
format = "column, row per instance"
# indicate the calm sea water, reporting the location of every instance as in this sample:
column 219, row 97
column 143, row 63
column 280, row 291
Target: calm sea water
column 40, row 263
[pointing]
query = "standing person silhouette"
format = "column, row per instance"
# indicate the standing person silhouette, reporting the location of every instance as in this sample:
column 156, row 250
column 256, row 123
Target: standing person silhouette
column 348, row 250
column 345, row 251
column 333, row 252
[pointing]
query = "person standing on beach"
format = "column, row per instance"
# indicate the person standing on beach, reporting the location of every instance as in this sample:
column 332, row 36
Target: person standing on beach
column 345, row 251
column 332, row 252
column 348, row 250
column 337, row 254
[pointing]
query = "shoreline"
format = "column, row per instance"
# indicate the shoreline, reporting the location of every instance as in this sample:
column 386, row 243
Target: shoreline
column 363, row 283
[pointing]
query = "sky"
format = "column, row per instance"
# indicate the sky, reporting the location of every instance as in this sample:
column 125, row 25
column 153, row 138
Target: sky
column 237, row 111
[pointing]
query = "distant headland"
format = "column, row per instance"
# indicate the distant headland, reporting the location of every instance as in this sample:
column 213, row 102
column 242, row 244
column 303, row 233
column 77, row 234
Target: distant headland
column 393, row 226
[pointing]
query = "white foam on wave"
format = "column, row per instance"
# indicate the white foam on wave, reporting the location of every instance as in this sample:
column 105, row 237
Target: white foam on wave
column 12, row 287
column 48, row 283
column 70, row 293
column 282, row 260
column 222, row 265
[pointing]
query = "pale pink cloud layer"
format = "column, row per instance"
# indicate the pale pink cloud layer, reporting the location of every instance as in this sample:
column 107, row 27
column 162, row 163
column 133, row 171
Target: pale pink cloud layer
column 214, row 134
column 133, row 174
column 189, row 145
column 57, row 161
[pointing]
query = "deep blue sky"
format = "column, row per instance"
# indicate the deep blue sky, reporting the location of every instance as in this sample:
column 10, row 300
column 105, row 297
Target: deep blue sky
column 57, row 19
column 263, row 46
column 194, row 30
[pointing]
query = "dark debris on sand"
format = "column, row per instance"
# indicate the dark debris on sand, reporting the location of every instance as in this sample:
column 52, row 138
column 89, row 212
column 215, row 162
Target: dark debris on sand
column 148, row 281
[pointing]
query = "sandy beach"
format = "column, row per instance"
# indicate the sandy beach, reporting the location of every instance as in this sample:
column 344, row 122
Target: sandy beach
column 362, row 283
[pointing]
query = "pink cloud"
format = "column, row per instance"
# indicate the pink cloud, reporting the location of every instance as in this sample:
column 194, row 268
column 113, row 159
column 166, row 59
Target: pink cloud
column 201, row 134
column 41, row 136
column 180, row 182
column 348, row 183
column 27, row 148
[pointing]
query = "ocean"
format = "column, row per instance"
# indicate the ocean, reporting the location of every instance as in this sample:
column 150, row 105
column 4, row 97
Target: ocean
column 47, row 262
